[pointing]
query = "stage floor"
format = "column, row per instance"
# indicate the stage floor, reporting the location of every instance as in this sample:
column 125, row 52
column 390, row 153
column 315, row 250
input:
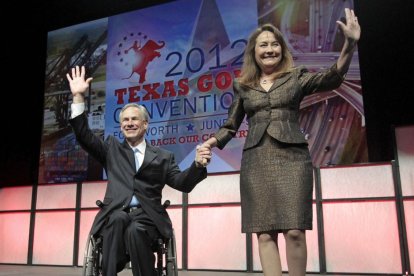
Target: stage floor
column 24, row 270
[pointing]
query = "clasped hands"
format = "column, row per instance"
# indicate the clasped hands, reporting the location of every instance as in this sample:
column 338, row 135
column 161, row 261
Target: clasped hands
column 203, row 155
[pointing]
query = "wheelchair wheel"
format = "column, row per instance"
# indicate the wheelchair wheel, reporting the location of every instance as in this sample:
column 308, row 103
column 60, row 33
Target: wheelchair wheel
column 92, row 258
column 171, row 258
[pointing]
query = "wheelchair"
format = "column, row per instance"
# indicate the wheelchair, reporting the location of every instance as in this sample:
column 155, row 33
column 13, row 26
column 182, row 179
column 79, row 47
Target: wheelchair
column 165, row 250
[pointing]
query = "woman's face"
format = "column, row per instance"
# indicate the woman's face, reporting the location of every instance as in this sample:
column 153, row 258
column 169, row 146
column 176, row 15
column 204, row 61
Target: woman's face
column 268, row 52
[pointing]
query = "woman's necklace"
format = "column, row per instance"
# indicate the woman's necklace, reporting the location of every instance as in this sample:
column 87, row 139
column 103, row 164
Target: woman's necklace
column 266, row 81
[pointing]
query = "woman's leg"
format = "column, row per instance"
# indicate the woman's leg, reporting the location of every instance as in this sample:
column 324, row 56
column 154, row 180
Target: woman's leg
column 269, row 254
column 296, row 252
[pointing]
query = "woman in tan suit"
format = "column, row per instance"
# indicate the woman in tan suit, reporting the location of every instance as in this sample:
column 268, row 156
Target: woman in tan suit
column 276, row 167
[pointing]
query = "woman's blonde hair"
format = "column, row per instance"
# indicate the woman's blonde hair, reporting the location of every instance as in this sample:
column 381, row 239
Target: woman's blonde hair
column 250, row 71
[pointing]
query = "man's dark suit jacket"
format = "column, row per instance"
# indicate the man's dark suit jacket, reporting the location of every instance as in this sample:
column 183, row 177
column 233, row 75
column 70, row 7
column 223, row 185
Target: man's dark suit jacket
column 158, row 168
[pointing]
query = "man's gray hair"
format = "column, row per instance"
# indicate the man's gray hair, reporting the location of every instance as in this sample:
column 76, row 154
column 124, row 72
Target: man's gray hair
column 141, row 108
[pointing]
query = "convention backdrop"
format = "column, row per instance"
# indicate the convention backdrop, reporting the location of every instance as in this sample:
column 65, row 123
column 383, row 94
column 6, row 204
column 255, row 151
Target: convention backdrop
column 179, row 60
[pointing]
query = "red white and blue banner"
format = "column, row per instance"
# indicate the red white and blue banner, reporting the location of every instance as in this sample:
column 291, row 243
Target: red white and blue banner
column 179, row 61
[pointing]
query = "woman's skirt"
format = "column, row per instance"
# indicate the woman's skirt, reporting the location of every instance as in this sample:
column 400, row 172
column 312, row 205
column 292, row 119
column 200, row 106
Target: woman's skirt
column 276, row 183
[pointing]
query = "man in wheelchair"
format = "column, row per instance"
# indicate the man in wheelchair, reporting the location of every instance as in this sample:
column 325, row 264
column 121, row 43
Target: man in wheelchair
column 165, row 249
column 131, row 215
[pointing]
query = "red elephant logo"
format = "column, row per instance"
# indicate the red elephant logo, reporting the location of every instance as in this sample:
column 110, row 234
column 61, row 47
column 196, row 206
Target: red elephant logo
column 143, row 56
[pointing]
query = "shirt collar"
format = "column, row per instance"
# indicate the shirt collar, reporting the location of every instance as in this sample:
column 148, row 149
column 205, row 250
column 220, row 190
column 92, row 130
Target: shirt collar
column 141, row 147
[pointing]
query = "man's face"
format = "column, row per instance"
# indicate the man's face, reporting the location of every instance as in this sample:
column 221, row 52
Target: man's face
column 133, row 125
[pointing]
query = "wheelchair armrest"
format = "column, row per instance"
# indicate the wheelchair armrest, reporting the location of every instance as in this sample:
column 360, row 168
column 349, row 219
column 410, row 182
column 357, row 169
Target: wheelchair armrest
column 99, row 203
column 166, row 204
